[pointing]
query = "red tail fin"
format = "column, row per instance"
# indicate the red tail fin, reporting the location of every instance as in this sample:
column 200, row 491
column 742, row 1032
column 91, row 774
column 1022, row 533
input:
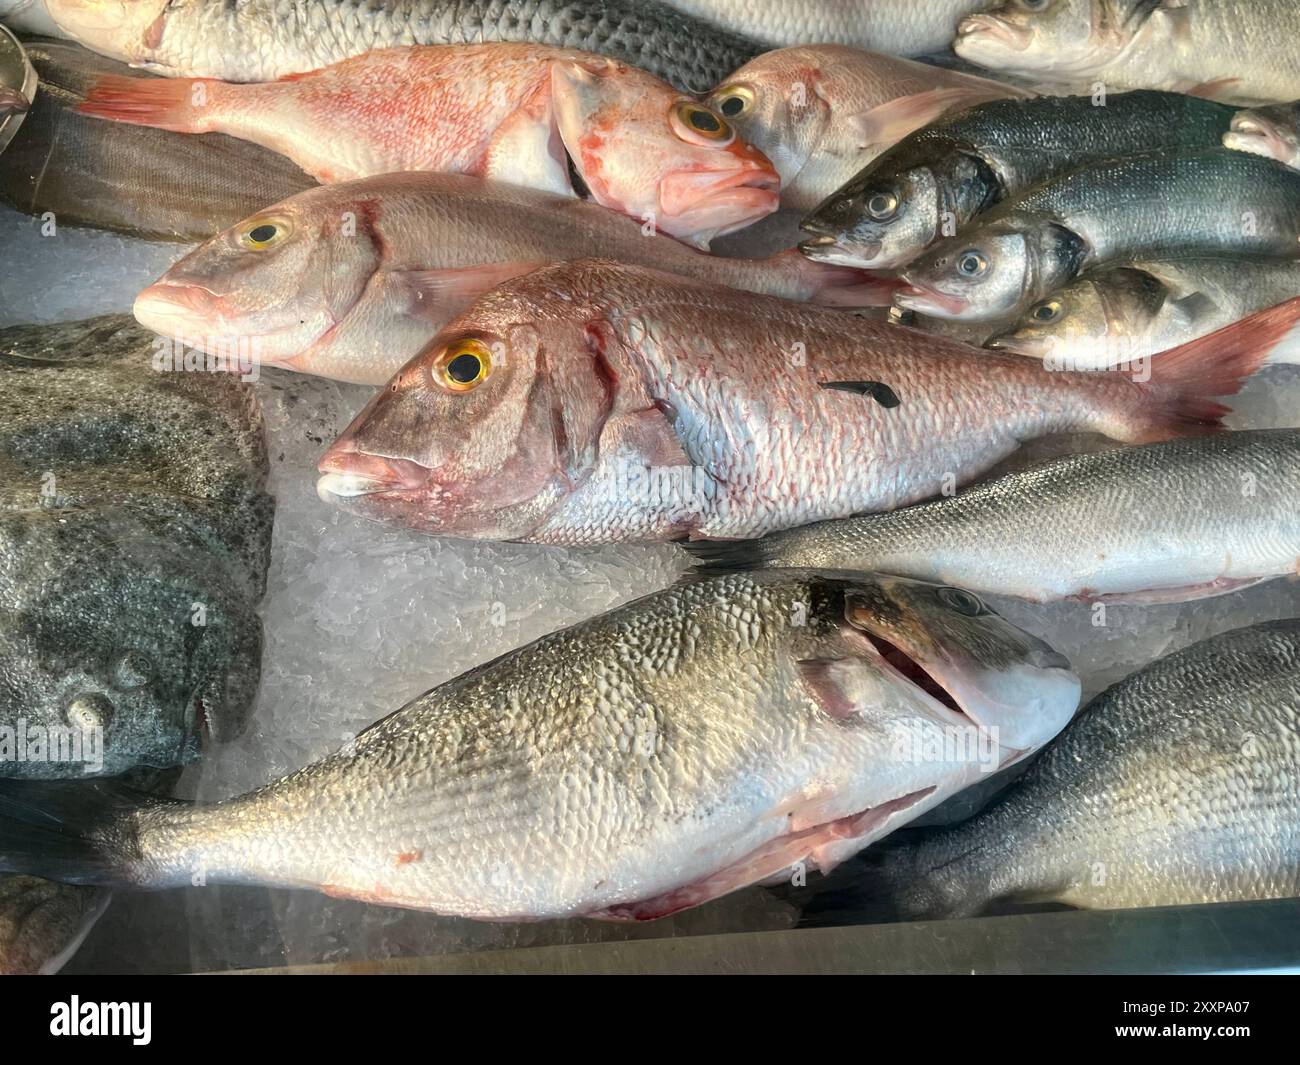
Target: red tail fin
column 1178, row 399
column 183, row 105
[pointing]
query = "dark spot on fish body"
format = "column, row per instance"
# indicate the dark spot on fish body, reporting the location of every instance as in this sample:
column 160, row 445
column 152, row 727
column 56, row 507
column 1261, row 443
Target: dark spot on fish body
column 877, row 390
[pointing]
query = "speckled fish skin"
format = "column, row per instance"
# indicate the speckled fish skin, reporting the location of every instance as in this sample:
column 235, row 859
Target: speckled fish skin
column 821, row 113
column 1216, row 202
column 1273, row 132
column 517, row 113
column 897, row 27
column 1178, row 783
column 262, row 40
column 1121, row 313
column 1239, row 51
column 1183, row 519
column 965, row 163
column 356, row 302
column 597, row 372
column 147, row 183
column 696, row 741
column 110, row 543
column 43, row 923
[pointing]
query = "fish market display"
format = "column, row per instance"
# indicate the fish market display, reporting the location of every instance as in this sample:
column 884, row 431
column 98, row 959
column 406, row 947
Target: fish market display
column 1175, row 786
column 965, row 163
column 898, row 27
column 822, row 113
column 1153, row 206
column 1273, row 132
column 590, row 402
column 350, row 281
column 1178, row 520
column 523, row 114
column 767, row 744
column 1236, row 51
column 43, row 923
column 1122, row 313
column 262, row 40
column 134, row 541
column 145, row 182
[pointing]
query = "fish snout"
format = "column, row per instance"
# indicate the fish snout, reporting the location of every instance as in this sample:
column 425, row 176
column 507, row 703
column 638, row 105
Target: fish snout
column 177, row 309
column 1258, row 136
column 699, row 205
column 348, row 472
column 922, row 298
column 988, row 29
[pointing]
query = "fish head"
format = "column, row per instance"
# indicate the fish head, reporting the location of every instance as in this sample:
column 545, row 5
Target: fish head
column 1273, row 132
column 1093, row 321
column 273, row 285
column 651, row 152
column 878, row 220
column 774, row 103
column 965, row 659
column 1050, row 37
column 123, row 29
column 979, row 277
column 489, row 429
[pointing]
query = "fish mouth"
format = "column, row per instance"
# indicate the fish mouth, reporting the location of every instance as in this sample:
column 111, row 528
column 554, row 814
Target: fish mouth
column 1258, row 136
column 704, row 204
column 910, row 670
column 172, row 309
column 1033, row 347
column 349, row 474
column 826, row 248
column 926, row 299
column 985, row 29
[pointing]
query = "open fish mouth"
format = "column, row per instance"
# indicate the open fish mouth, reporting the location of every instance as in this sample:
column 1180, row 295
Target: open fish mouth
column 1258, row 136
column 1033, row 347
column 826, row 248
column 926, row 299
column 351, row 474
column 991, row 28
column 730, row 199
column 909, row 669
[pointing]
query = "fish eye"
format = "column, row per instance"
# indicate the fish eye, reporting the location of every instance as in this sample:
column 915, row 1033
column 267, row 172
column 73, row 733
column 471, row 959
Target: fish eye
column 971, row 264
column 263, row 234
column 694, row 122
column 882, row 206
column 734, row 101
column 962, row 601
column 1034, row 5
column 462, row 366
column 1047, row 311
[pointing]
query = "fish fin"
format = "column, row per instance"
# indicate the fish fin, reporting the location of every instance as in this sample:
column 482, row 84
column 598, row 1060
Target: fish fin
column 1218, row 89
column 710, row 555
column 529, row 140
column 430, row 291
column 836, row 684
column 837, row 286
column 163, row 103
column 644, row 436
column 890, row 122
column 877, row 390
column 1185, row 594
column 73, row 831
column 1178, row 400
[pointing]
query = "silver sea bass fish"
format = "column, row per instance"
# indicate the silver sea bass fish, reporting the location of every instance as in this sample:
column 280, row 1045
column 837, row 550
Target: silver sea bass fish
column 705, row 738
column 1166, row 522
column 262, row 40
column 1181, row 782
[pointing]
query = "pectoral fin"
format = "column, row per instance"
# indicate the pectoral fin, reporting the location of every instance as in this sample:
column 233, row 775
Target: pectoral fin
column 441, row 294
column 877, row 390
column 890, row 122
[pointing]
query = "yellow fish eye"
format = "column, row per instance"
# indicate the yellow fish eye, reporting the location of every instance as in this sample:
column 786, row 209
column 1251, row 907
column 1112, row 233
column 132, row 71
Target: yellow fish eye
column 733, row 101
column 462, row 366
column 702, row 122
column 263, row 233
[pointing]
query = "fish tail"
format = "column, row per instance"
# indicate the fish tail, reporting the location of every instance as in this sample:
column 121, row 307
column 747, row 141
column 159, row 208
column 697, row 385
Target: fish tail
column 77, row 832
column 836, row 286
column 182, row 105
column 729, row 554
column 1179, row 399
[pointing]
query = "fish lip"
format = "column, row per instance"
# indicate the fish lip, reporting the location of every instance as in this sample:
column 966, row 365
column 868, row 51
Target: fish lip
column 828, row 248
column 1012, row 345
column 991, row 27
column 747, row 193
column 168, row 302
column 925, row 299
column 349, row 474
column 1257, row 136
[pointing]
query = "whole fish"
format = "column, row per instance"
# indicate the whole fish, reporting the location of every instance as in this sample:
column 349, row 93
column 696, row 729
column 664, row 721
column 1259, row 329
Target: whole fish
column 128, row 578
column 822, row 113
column 897, row 27
column 524, row 114
column 350, row 281
column 591, row 402
column 1167, row 522
column 1176, row 786
column 1118, row 314
column 42, row 924
column 1273, row 132
column 699, row 740
column 262, row 40
column 1239, row 52
column 148, row 183
column 1155, row 206
column 936, row 180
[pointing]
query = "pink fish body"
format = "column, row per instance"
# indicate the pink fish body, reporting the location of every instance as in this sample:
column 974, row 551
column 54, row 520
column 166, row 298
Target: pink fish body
column 510, row 112
column 590, row 402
